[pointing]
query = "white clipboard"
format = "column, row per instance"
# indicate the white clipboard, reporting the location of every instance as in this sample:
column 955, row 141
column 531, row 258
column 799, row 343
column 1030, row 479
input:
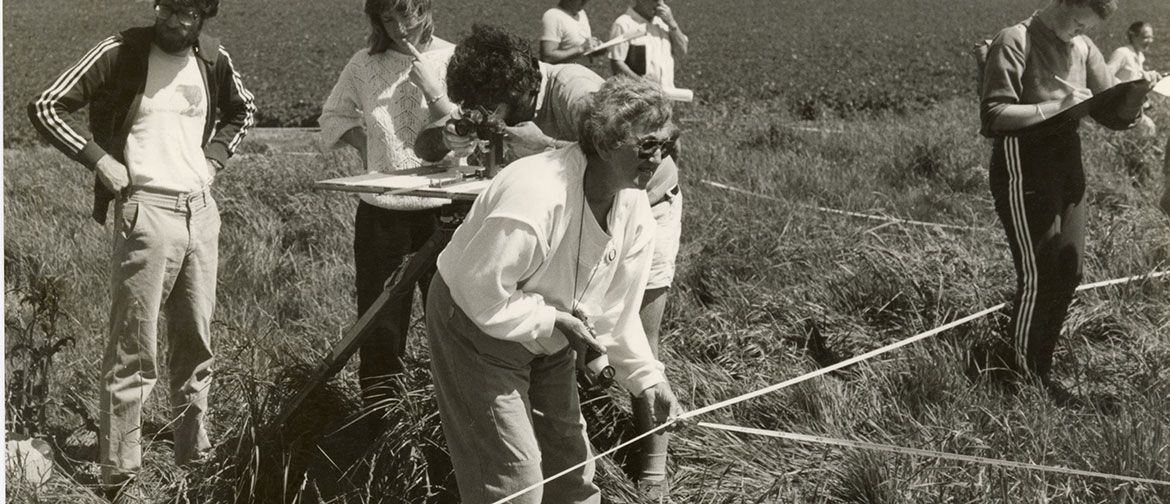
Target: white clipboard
column 1162, row 87
column 625, row 37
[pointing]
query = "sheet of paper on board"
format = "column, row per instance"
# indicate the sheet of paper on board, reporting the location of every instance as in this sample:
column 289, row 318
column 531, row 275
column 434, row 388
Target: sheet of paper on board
column 625, row 37
column 1163, row 87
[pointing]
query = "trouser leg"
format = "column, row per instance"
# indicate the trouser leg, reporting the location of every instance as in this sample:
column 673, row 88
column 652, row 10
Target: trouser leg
column 482, row 390
column 147, row 251
column 1068, row 253
column 382, row 240
column 1038, row 188
column 189, row 312
column 560, row 430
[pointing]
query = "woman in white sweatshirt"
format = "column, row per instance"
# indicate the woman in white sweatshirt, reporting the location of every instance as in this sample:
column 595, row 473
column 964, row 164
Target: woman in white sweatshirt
column 551, row 260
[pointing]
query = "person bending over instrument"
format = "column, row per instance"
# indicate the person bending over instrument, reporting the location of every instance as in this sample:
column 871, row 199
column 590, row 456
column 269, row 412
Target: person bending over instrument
column 549, row 265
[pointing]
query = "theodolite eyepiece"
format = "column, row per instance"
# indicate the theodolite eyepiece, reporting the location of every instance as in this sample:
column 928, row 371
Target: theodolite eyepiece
column 484, row 126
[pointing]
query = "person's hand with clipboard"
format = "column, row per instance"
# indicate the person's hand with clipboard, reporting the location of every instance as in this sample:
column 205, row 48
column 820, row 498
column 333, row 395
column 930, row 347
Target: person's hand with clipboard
column 625, row 37
column 1123, row 101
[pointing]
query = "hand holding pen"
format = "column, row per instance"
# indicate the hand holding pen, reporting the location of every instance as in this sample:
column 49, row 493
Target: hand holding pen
column 422, row 77
column 1076, row 94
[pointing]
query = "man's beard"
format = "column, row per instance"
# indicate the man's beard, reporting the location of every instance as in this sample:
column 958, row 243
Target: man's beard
column 174, row 40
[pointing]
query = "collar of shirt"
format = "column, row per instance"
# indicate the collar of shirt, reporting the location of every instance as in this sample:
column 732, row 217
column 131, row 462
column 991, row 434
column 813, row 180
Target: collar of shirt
column 540, row 95
column 1046, row 31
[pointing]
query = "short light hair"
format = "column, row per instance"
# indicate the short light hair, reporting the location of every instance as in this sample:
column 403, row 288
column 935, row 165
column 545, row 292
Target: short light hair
column 379, row 40
column 1103, row 8
column 620, row 107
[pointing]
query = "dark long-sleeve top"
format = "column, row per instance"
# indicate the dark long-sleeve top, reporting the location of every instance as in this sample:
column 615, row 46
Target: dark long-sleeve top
column 1023, row 62
column 110, row 79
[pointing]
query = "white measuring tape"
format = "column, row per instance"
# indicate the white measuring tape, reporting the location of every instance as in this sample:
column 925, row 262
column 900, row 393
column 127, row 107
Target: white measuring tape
column 826, row 370
column 864, row 445
column 843, row 212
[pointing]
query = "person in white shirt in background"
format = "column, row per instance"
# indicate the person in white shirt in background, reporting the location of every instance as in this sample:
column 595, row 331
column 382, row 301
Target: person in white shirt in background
column 565, row 33
column 652, row 55
column 551, row 260
column 383, row 98
column 1128, row 63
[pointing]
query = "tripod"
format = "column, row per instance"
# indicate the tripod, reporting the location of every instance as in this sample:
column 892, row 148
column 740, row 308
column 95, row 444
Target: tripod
column 400, row 284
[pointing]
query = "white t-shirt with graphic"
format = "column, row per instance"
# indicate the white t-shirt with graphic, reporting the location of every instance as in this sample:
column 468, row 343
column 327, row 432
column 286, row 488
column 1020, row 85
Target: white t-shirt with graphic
column 164, row 150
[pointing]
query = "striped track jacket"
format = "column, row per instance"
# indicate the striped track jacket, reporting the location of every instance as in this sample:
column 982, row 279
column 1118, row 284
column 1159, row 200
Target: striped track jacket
column 110, row 79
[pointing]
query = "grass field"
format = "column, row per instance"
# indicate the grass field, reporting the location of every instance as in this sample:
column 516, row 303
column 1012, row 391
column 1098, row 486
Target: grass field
column 756, row 275
column 822, row 59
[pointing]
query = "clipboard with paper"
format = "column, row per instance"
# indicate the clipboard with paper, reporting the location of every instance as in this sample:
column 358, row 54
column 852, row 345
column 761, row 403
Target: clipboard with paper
column 440, row 181
column 625, row 37
column 1107, row 99
column 1162, row 87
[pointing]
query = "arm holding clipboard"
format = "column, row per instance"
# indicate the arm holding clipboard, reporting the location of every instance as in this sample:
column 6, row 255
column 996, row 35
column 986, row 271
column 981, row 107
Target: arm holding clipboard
column 1115, row 108
column 625, row 37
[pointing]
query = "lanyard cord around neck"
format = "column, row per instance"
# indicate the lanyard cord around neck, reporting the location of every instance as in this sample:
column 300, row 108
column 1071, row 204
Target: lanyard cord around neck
column 577, row 266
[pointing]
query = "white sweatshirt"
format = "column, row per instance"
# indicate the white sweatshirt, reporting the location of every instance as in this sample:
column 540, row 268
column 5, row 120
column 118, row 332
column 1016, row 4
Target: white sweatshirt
column 529, row 247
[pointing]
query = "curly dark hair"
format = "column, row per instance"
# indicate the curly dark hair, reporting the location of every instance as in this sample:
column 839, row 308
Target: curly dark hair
column 207, row 8
column 492, row 66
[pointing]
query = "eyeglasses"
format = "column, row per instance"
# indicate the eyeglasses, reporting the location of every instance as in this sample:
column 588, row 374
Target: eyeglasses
column 648, row 146
column 187, row 17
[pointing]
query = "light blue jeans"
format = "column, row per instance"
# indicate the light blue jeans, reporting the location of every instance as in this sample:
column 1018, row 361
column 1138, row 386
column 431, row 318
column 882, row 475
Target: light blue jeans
column 511, row 418
column 166, row 251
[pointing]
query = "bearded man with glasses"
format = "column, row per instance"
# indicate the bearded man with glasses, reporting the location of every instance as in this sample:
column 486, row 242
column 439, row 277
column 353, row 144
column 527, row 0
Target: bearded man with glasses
column 166, row 111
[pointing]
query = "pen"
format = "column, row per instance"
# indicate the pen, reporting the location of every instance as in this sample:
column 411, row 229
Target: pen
column 410, row 47
column 1067, row 84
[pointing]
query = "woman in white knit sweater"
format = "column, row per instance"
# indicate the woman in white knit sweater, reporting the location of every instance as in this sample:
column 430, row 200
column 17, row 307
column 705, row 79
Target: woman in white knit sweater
column 383, row 98
column 551, row 260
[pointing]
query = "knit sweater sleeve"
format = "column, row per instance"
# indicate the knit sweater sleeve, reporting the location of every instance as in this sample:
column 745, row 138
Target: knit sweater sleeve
column 343, row 109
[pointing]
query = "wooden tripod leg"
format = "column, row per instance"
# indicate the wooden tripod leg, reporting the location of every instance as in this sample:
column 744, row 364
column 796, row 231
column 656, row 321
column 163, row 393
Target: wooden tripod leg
column 407, row 276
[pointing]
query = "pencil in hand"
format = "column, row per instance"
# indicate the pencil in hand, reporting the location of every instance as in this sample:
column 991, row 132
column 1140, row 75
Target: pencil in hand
column 410, row 47
column 1069, row 85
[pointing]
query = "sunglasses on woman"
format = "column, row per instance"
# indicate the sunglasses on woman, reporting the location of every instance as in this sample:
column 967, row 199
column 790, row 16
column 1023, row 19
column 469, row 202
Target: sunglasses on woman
column 649, row 145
